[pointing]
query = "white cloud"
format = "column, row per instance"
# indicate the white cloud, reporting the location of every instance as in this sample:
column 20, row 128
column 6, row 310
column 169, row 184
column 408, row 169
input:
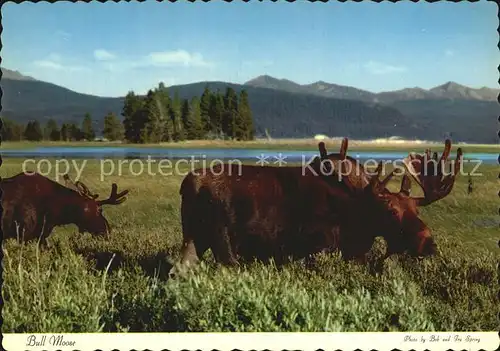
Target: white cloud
column 53, row 61
column 158, row 59
column 449, row 53
column 176, row 58
column 379, row 68
column 103, row 55
column 48, row 64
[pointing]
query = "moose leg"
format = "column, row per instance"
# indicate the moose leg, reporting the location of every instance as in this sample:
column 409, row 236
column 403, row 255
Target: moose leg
column 222, row 248
column 194, row 242
column 8, row 223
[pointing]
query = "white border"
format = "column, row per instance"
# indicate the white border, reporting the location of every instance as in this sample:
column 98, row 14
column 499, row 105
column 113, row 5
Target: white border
column 259, row 341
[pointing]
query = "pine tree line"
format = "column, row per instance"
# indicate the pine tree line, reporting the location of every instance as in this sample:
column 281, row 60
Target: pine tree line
column 158, row 117
column 33, row 131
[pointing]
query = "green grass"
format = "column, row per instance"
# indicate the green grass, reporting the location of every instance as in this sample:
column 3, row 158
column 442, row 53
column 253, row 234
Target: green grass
column 88, row 284
column 275, row 144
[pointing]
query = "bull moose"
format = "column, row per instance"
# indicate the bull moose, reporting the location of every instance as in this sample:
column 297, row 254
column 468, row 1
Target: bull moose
column 274, row 212
column 429, row 173
column 33, row 205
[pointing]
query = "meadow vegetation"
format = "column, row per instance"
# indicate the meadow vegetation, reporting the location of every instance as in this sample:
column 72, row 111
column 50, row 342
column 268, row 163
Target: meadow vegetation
column 87, row 284
column 273, row 144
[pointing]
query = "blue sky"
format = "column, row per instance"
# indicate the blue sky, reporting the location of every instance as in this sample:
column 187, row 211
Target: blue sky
column 111, row 48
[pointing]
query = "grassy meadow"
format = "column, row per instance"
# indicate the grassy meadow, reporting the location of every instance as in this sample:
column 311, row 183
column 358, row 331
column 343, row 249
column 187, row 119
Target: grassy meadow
column 273, row 144
column 87, row 284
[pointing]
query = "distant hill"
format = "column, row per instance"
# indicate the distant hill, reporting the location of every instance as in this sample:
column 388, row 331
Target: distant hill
column 451, row 109
column 25, row 99
column 14, row 75
column 319, row 88
column 284, row 114
column 288, row 109
column 449, row 90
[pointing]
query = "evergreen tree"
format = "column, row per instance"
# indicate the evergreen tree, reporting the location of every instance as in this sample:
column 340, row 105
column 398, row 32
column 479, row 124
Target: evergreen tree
column 194, row 127
column 244, row 125
column 175, row 115
column 75, row 133
column 185, row 115
column 33, row 131
column 88, row 132
column 51, row 131
column 216, row 112
column 153, row 129
column 65, row 132
column 113, row 128
column 164, row 109
column 205, row 110
column 12, row 131
column 230, row 113
column 133, row 117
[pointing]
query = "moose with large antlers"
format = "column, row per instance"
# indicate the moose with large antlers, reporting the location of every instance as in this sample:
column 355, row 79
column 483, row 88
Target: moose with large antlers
column 398, row 222
column 275, row 212
column 33, row 205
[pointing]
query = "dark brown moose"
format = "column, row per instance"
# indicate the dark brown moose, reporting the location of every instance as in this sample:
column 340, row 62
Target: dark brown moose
column 248, row 212
column 398, row 219
column 33, row 205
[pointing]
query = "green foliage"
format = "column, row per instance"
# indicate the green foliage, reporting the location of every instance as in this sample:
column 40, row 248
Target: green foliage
column 33, row 131
column 65, row 132
column 133, row 121
column 216, row 112
column 164, row 106
column 75, row 133
column 153, row 128
column 12, row 131
column 244, row 124
column 206, row 97
column 157, row 118
column 87, row 130
column 52, row 289
column 230, row 114
column 176, row 117
column 113, row 128
column 185, row 115
column 193, row 124
column 51, row 131
column 68, row 289
column 290, row 114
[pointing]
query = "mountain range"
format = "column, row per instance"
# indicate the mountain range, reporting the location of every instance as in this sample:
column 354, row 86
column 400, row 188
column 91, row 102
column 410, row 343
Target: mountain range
column 289, row 109
column 449, row 90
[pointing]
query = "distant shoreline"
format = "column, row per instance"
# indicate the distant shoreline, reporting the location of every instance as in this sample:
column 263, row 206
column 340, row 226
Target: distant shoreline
column 275, row 144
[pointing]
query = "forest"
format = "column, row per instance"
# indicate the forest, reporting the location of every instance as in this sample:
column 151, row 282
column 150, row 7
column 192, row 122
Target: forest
column 153, row 118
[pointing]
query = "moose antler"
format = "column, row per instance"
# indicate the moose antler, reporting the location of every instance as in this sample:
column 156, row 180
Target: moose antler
column 380, row 185
column 114, row 197
column 354, row 182
column 429, row 173
column 79, row 187
column 69, row 183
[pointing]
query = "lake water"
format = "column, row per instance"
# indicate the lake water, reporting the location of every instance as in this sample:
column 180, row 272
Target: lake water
column 244, row 155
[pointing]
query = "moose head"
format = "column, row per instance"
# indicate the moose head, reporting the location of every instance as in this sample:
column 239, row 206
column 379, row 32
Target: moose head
column 87, row 214
column 395, row 215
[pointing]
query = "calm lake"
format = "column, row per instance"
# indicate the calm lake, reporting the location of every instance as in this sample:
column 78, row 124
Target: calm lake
column 244, row 155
